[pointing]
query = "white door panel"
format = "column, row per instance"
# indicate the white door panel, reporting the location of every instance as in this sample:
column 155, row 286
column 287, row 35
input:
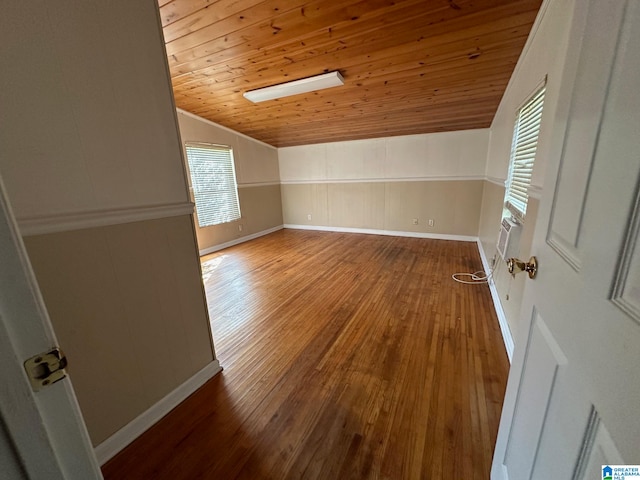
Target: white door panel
column 597, row 449
column 533, row 399
column 578, row 353
column 583, row 123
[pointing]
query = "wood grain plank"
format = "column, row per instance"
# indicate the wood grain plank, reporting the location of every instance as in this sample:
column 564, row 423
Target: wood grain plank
column 400, row 120
column 418, row 30
column 345, row 356
column 356, row 62
column 363, row 80
column 186, row 16
column 426, row 99
column 327, row 33
column 392, row 53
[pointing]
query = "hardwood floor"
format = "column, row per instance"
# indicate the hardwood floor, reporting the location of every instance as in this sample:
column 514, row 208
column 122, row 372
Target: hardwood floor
column 345, row 356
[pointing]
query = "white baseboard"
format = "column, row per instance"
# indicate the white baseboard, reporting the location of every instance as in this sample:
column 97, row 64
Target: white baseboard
column 394, row 233
column 127, row 434
column 502, row 319
column 237, row 241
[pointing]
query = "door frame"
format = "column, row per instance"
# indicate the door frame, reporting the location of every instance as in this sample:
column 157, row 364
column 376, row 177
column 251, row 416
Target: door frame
column 528, row 312
column 45, row 428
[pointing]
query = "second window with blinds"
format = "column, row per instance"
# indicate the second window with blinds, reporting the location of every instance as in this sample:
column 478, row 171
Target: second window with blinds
column 523, row 154
column 213, row 182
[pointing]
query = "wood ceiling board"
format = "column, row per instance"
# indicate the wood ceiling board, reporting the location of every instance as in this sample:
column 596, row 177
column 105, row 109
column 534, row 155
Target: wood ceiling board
column 438, row 68
column 417, row 80
column 397, row 123
column 260, row 23
column 181, row 11
column 362, row 82
column 357, row 120
column 359, row 117
column 403, row 62
column 356, row 60
column 428, row 93
column 415, row 30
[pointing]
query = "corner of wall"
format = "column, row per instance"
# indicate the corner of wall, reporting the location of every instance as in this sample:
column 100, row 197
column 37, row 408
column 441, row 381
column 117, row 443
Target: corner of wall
column 123, row 437
column 258, row 177
column 543, row 56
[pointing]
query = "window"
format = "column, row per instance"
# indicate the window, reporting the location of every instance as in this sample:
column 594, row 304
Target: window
column 213, row 180
column 523, row 154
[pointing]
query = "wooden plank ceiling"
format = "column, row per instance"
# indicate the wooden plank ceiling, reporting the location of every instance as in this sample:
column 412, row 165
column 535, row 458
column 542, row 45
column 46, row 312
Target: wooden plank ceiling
column 410, row 66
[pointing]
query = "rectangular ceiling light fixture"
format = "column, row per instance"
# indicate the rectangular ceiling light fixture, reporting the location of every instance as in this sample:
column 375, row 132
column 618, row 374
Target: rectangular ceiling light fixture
column 309, row 84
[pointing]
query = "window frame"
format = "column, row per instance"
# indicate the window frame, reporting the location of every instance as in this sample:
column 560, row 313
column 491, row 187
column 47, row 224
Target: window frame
column 205, row 214
column 523, row 153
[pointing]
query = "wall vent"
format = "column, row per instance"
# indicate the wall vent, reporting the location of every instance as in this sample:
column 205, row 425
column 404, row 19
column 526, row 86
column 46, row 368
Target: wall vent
column 509, row 238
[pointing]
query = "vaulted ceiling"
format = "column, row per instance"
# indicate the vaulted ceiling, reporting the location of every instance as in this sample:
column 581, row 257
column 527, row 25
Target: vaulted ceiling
column 410, row 66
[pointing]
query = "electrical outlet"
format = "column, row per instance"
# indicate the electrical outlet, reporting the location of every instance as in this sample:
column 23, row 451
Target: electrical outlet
column 239, row 228
column 415, row 221
column 308, row 216
column 431, row 222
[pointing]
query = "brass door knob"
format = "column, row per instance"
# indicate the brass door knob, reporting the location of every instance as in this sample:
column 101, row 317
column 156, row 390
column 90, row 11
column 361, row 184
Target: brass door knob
column 515, row 265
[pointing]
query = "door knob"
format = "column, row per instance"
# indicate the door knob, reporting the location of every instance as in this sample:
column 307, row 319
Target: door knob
column 515, row 265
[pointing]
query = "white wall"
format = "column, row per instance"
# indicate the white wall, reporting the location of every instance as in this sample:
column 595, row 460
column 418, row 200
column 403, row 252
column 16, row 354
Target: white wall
column 258, row 178
column 543, row 55
column 450, row 155
column 256, row 162
column 91, row 158
column 418, row 185
column 85, row 143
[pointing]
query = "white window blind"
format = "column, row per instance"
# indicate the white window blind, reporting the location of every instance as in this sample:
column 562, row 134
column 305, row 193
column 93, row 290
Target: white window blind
column 213, row 180
column 523, row 154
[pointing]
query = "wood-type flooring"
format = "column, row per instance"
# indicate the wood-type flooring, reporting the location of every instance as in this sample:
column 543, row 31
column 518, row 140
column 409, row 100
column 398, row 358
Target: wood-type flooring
column 346, row 356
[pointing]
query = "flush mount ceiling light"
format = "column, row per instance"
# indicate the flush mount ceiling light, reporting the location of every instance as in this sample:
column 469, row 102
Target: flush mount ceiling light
column 304, row 85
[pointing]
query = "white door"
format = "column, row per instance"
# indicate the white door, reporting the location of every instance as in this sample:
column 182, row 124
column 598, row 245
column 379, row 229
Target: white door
column 573, row 396
column 42, row 434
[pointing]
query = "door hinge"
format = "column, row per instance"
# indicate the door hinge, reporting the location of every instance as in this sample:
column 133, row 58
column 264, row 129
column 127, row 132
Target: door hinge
column 46, row 368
